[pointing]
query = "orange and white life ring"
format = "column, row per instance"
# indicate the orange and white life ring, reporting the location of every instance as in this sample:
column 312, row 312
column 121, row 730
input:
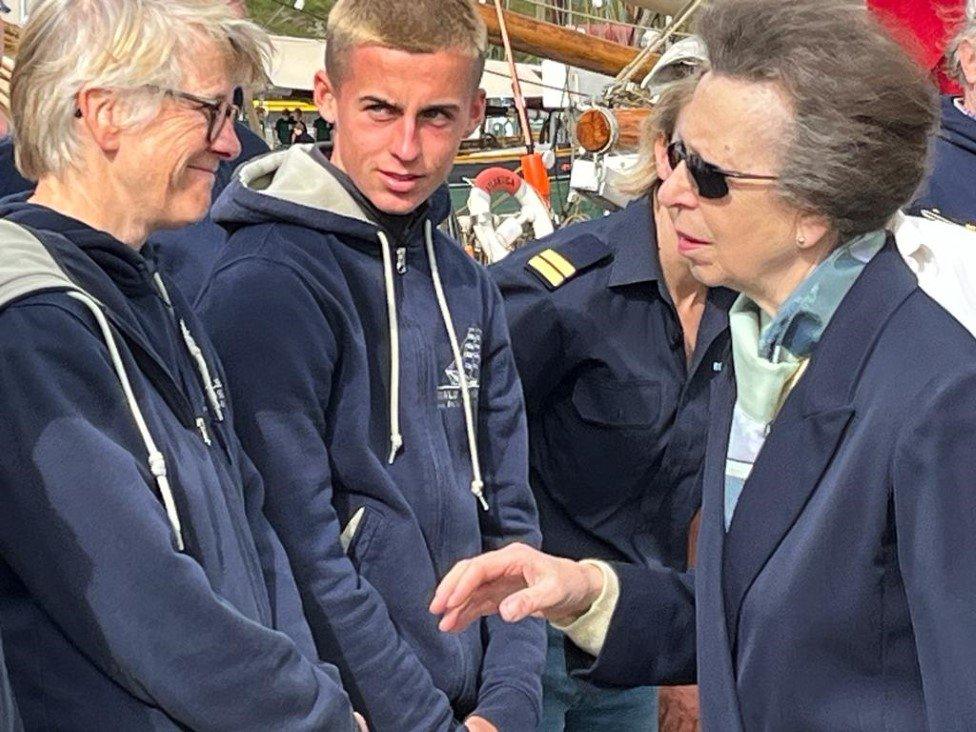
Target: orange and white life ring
column 497, row 243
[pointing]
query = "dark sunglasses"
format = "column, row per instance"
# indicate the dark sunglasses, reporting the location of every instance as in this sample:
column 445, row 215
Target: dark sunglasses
column 711, row 180
column 217, row 111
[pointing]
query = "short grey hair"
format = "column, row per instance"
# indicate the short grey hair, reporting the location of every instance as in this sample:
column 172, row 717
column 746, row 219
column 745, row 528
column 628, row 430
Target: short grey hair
column 863, row 110
column 966, row 32
column 134, row 47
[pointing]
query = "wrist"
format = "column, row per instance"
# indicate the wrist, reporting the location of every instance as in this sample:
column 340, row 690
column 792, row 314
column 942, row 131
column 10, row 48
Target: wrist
column 595, row 582
column 590, row 583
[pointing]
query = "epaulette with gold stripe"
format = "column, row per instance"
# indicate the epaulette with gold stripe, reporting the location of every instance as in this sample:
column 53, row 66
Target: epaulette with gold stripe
column 934, row 214
column 555, row 267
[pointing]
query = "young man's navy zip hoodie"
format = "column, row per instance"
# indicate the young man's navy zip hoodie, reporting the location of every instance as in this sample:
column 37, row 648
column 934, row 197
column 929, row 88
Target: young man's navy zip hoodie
column 107, row 623
column 305, row 309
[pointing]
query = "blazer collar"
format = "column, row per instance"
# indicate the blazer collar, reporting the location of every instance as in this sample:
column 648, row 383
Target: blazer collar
column 808, row 429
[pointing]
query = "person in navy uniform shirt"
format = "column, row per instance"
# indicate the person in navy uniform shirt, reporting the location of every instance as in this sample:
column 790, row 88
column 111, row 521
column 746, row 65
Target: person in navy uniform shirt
column 615, row 344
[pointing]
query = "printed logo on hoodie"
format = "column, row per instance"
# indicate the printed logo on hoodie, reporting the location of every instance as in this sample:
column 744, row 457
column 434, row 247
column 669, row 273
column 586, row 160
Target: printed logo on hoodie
column 449, row 393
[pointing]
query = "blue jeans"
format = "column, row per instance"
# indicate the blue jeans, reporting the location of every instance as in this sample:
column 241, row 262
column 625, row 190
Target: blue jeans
column 576, row 706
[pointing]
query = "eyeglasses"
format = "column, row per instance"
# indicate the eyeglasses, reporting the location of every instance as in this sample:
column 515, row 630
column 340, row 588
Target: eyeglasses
column 217, row 111
column 711, row 180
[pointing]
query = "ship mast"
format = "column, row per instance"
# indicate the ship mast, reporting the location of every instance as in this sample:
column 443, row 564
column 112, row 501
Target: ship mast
column 548, row 40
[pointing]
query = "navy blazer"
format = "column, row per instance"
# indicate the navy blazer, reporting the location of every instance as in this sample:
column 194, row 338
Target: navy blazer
column 844, row 594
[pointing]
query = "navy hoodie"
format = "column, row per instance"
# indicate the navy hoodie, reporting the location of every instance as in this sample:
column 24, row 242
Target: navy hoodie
column 305, row 314
column 11, row 181
column 951, row 186
column 107, row 624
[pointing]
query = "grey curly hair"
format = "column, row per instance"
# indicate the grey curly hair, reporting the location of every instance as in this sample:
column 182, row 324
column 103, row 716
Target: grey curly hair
column 966, row 32
column 863, row 110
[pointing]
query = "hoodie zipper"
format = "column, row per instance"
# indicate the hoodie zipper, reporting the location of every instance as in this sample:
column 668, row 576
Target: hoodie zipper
column 187, row 342
column 401, row 260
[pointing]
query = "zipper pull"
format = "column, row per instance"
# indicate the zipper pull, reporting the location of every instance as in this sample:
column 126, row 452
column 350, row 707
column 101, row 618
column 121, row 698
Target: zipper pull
column 202, row 426
column 401, row 264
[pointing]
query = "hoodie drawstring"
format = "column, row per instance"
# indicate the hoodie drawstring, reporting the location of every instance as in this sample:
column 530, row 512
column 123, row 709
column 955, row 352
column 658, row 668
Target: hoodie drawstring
column 156, row 461
column 196, row 353
column 477, row 485
column 396, row 438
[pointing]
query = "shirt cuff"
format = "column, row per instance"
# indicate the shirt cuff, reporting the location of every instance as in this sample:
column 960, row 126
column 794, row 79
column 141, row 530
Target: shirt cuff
column 589, row 631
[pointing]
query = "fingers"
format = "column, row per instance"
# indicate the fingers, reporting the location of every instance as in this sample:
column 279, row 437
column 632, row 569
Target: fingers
column 457, row 619
column 446, row 588
column 483, row 601
column 478, row 572
column 467, row 576
column 516, row 581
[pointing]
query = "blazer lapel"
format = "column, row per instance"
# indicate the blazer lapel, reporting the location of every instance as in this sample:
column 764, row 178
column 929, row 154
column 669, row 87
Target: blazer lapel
column 809, row 429
column 796, row 454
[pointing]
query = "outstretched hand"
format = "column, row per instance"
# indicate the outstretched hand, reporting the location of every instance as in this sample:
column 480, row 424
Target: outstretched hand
column 516, row 582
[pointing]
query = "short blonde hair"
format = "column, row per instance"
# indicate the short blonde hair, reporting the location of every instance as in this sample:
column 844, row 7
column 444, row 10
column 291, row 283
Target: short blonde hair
column 418, row 26
column 135, row 47
column 643, row 179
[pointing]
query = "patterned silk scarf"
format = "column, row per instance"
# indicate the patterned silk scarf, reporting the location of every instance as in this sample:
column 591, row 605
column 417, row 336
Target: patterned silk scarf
column 771, row 355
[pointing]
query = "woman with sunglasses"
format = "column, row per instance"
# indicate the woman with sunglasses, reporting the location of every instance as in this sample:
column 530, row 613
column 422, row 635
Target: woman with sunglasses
column 141, row 586
column 615, row 357
column 834, row 587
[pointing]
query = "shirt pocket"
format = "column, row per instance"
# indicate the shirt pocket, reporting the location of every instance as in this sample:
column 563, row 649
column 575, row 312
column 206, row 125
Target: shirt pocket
column 603, row 449
column 613, row 404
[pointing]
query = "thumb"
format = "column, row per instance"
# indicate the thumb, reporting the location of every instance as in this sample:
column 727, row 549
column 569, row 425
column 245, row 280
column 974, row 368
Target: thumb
column 538, row 600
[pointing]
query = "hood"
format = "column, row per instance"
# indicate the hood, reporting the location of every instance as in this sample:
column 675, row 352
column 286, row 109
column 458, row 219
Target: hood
column 292, row 187
column 26, row 266
column 957, row 127
column 66, row 254
column 130, row 270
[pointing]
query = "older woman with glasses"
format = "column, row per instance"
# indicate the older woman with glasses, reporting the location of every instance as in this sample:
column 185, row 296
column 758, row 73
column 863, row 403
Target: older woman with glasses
column 835, row 585
column 141, row 586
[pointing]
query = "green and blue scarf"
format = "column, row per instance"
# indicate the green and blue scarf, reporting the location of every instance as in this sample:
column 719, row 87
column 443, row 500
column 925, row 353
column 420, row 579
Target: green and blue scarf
column 770, row 354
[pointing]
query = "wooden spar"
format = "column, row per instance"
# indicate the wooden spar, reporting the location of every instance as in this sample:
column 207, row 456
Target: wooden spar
column 665, row 7
column 551, row 41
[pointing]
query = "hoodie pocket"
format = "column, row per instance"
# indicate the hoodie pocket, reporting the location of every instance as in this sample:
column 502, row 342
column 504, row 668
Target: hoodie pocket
column 351, row 530
column 357, row 536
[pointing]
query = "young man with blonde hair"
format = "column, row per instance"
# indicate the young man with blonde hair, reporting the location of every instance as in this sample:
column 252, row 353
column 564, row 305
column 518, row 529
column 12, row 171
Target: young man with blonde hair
column 370, row 362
